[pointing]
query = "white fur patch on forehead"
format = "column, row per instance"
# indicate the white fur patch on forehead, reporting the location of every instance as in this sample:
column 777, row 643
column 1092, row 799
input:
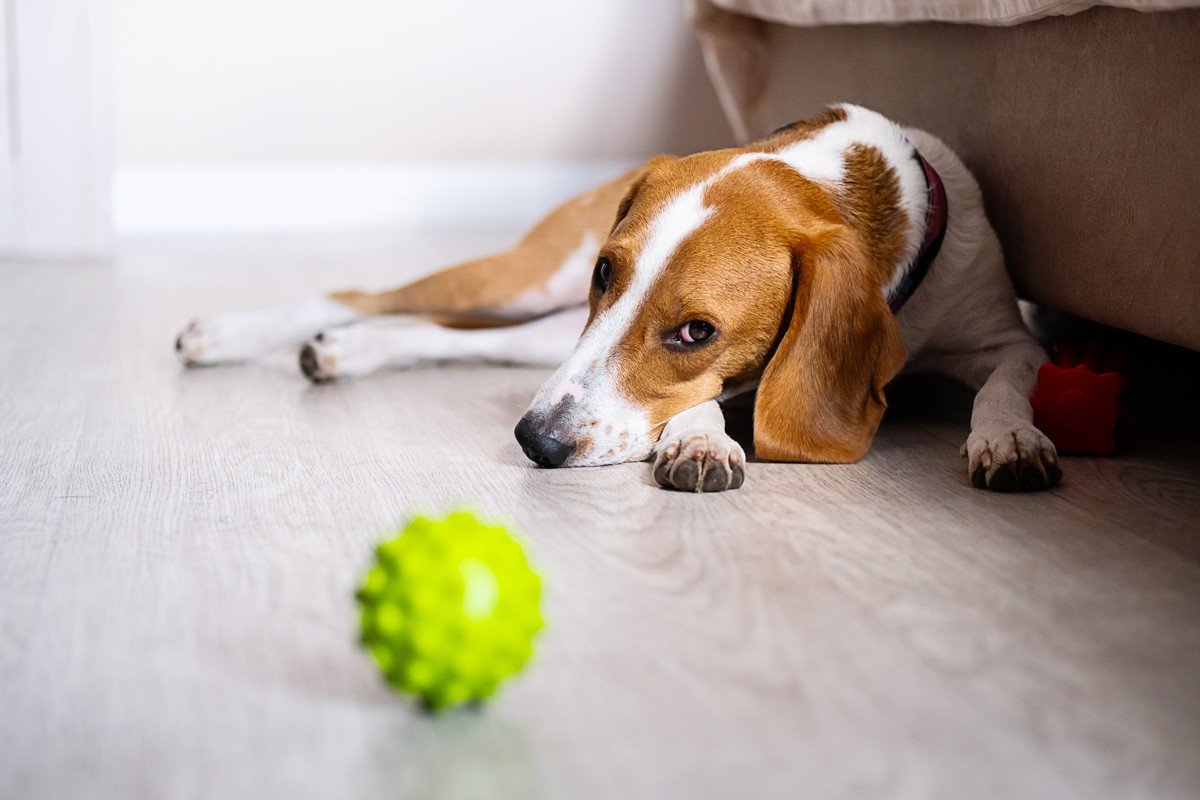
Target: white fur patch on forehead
column 588, row 371
column 680, row 217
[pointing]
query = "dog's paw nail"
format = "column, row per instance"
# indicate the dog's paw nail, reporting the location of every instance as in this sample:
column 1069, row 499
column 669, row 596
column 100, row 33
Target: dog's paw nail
column 737, row 476
column 662, row 467
column 979, row 477
column 1012, row 457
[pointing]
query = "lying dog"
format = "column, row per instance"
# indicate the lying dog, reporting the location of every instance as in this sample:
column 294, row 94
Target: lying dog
column 812, row 265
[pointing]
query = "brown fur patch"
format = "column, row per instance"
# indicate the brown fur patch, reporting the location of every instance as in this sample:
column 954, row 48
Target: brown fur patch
column 870, row 201
column 821, row 396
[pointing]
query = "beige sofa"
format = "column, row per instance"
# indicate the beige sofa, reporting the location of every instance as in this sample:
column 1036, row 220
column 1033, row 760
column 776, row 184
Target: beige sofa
column 1082, row 124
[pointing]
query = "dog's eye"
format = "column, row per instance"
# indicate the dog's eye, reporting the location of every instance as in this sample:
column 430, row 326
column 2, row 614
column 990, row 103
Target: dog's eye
column 602, row 275
column 695, row 331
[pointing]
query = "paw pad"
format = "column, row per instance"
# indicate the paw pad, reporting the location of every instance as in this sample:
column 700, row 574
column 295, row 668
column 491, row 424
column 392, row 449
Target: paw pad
column 703, row 462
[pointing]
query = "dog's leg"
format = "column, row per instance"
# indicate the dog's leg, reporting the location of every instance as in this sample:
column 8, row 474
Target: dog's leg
column 360, row 349
column 245, row 336
column 549, row 269
column 970, row 329
column 1004, row 451
column 695, row 454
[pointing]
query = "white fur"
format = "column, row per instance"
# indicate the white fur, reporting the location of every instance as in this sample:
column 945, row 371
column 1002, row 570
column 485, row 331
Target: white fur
column 355, row 351
column 698, row 435
column 964, row 321
column 245, row 336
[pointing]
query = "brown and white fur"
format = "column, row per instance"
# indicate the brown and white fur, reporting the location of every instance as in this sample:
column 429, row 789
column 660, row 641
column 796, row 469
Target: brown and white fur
column 784, row 249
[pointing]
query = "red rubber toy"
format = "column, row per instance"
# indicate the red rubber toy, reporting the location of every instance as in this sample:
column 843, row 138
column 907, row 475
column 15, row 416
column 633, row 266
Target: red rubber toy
column 1077, row 403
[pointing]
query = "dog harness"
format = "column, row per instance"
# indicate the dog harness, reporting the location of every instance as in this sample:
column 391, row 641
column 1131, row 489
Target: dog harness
column 936, row 216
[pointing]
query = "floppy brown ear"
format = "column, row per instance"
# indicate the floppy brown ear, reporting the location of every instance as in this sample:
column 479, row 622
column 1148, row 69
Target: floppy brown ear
column 821, row 395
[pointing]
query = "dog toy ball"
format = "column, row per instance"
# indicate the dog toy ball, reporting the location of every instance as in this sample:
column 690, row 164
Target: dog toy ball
column 450, row 609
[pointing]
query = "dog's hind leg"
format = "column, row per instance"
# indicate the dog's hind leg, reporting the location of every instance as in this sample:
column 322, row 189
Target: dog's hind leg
column 548, row 270
column 247, row 335
column 357, row 350
column 353, row 351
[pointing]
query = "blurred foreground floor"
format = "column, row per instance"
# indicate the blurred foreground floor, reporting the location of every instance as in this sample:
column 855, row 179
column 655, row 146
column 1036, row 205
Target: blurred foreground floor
column 178, row 552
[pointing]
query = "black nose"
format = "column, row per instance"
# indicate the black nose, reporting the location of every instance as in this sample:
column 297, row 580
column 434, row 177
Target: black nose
column 541, row 448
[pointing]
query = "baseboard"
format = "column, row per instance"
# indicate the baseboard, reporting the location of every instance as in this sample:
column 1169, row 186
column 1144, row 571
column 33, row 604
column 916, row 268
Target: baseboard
column 180, row 199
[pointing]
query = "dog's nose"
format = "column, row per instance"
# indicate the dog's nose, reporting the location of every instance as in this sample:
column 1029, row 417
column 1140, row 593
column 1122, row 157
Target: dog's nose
column 541, row 448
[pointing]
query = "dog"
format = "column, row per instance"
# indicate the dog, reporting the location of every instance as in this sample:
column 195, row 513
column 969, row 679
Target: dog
column 811, row 266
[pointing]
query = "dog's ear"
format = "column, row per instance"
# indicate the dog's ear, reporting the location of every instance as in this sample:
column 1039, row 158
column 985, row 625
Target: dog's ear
column 637, row 180
column 627, row 201
column 820, row 398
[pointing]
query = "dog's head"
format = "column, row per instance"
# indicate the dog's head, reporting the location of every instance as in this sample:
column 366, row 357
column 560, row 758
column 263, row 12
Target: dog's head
column 723, row 268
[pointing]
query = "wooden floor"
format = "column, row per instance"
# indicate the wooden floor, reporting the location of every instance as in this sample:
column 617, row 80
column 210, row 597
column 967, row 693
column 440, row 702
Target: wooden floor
column 178, row 551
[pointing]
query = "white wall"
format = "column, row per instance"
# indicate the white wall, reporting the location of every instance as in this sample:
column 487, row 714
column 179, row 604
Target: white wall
column 251, row 82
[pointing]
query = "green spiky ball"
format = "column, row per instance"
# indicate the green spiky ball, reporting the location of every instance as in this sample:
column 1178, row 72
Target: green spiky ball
column 450, row 609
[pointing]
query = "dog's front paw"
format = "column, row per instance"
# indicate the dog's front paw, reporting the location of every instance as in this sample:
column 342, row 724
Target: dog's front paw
column 1011, row 458
column 340, row 354
column 700, row 461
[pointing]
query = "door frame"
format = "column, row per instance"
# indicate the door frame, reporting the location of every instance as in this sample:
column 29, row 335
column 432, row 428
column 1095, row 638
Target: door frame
column 56, row 137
